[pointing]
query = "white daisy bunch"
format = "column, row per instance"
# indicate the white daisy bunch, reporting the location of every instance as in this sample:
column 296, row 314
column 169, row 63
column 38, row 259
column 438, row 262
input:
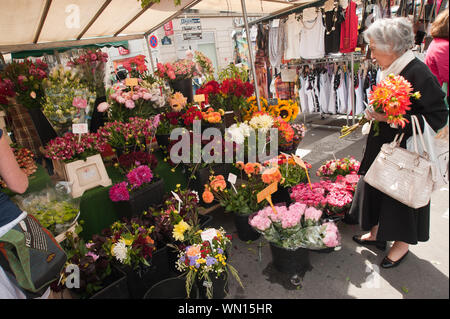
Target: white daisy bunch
column 238, row 132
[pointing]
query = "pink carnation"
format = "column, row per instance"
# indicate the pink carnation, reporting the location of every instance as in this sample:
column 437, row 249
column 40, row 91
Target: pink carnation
column 129, row 104
column 260, row 222
column 119, row 192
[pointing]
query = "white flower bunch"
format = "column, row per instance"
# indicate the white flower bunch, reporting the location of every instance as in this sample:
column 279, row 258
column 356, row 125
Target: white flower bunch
column 120, row 251
column 262, row 122
column 238, row 133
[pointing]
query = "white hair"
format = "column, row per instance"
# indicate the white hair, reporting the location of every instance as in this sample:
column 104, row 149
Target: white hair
column 394, row 34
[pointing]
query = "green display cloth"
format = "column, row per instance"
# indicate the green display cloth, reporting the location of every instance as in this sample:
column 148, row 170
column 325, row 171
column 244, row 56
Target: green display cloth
column 38, row 53
column 36, row 182
column 99, row 212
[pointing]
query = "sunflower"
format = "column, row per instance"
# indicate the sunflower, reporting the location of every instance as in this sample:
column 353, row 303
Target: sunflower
column 274, row 110
column 295, row 111
column 285, row 110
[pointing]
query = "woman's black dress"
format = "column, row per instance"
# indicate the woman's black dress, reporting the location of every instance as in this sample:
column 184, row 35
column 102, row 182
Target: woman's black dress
column 398, row 222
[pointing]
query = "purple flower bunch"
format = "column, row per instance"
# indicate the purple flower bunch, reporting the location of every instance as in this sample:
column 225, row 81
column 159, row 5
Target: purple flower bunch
column 135, row 178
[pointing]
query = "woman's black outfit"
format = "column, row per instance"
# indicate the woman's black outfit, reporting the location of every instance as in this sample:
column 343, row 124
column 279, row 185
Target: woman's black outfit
column 398, row 222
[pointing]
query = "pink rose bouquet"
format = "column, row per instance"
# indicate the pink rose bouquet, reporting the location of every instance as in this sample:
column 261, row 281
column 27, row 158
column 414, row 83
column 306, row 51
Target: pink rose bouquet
column 295, row 226
column 179, row 70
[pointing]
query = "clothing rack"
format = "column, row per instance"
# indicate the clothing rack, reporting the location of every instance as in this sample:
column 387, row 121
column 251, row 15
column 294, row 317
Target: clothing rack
column 344, row 58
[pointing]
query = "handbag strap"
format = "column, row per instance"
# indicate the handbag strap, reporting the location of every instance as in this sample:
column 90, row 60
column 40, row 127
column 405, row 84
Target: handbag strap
column 416, row 126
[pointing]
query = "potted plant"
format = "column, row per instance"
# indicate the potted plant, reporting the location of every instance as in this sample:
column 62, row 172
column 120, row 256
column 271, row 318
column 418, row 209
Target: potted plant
column 140, row 190
column 291, row 232
column 333, row 198
column 292, row 174
column 125, row 102
column 76, row 159
column 135, row 135
column 179, row 75
column 241, row 200
column 331, row 169
column 98, row 279
column 130, row 246
column 205, row 263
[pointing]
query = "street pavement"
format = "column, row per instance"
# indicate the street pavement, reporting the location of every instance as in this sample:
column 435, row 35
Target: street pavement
column 353, row 272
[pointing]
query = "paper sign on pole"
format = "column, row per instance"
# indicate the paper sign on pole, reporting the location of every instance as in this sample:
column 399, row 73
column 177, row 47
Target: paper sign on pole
column 131, row 82
column 199, row 98
column 80, row 128
column 232, row 179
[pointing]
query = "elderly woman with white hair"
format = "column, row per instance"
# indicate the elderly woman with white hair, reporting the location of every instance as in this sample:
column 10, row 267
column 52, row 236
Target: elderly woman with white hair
column 390, row 42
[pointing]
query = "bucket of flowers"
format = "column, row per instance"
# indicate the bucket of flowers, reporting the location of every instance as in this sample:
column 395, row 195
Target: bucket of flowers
column 239, row 199
column 135, row 135
column 292, row 174
column 98, row 278
column 338, row 167
column 131, row 247
column 140, row 190
column 291, row 232
column 205, row 262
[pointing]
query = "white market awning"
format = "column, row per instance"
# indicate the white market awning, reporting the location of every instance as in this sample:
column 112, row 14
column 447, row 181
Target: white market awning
column 45, row 24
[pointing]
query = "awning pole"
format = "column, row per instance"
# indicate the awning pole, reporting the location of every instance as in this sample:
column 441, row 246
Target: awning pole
column 149, row 52
column 250, row 51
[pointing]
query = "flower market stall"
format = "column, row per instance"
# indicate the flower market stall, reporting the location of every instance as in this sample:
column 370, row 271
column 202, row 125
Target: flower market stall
column 128, row 194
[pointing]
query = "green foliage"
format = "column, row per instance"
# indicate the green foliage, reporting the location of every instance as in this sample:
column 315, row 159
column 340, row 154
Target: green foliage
column 145, row 3
column 232, row 71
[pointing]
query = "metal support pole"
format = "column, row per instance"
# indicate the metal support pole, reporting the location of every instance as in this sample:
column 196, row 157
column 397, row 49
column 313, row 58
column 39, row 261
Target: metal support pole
column 250, row 51
column 149, row 53
column 352, row 89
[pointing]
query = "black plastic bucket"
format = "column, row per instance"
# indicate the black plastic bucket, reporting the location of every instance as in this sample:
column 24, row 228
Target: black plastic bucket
column 171, row 288
column 244, row 230
column 290, row 261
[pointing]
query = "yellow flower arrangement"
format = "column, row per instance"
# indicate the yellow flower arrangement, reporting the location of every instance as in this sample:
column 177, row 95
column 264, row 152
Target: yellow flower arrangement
column 179, row 230
column 288, row 110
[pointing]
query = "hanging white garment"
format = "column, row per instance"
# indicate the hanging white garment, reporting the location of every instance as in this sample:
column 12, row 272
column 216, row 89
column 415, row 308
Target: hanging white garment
column 292, row 33
column 312, row 39
column 324, row 90
column 350, row 94
column 311, row 96
column 302, row 95
column 276, row 44
column 332, row 97
column 342, row 94
column 359, row 94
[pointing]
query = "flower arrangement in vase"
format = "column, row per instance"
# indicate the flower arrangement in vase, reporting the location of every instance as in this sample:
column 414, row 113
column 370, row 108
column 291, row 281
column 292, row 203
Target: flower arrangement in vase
column 134, row 135
column 27, row 83
column 343, row 166
column 91, row 65
column 205, row 260
column 124, row 103
column 296, row 226
column 67, row 99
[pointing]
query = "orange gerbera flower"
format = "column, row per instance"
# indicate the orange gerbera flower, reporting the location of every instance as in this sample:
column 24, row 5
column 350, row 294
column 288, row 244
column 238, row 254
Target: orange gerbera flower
column 218, row 183
column 240, row 165
column 271, row 175
column 207, row 196
column 249, row 168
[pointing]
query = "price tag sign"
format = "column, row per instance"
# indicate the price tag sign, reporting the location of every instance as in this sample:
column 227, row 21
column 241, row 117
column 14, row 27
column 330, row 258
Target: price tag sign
column 232, row 179
column 178, row 199
column 266, row 193
column 208, row 234
column 131, row 82
column 199, row 98
column 81, row 128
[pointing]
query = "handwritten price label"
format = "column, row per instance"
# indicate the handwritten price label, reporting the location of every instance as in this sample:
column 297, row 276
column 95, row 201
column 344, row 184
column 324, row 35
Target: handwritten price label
column 199, row 98
column 131, row 82
column 81, row 128
column 266, row 193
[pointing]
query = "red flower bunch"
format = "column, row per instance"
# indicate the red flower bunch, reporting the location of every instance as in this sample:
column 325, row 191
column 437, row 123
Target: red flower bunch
column 6, row 91
column 68, row 149
column 392, row 97
column 89, row 57
column 136, row 66
column 26, row 80
column 236, row 88
column 192, row 113
column 130, row 160
column 209, row 89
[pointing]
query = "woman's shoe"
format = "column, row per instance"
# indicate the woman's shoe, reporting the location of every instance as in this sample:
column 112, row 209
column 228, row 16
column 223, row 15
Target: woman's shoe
column 387, row 263
column 377, row 243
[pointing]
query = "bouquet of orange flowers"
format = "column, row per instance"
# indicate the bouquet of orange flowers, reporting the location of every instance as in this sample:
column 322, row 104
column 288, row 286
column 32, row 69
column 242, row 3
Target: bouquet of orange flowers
column 391, row 97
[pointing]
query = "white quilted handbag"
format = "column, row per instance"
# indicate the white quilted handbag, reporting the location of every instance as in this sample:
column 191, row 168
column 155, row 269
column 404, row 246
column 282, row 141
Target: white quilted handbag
column 401, row 174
